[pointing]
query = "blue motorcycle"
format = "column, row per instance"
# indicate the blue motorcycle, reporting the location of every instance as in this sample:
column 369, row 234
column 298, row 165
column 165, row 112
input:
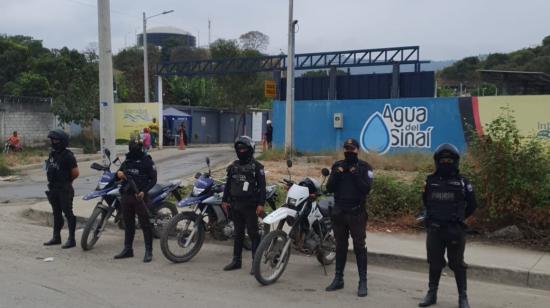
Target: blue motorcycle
column 108, row 190
column 185, row 233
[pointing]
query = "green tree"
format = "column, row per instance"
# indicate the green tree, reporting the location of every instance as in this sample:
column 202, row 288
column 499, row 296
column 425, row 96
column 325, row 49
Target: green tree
column 254, row 40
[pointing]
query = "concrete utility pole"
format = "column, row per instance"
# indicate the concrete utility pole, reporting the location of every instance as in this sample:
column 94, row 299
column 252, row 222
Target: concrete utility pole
column 289, row 81
column 106, row 108
column 145, row 63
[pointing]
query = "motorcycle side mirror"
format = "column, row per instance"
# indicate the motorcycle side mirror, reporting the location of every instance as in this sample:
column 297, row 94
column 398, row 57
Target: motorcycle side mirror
column 289, row 163
column 208, row 161
column 107, row 153
column 97, row 167
column 197, row 175
column 325, row 172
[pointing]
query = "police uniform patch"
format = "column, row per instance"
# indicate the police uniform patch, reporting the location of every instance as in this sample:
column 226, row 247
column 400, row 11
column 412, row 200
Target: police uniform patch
column 370, row 174
column 262, row 172
column 469, row 187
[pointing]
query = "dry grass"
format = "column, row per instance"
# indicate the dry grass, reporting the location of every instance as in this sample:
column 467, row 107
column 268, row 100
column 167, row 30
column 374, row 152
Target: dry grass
column 26, row 157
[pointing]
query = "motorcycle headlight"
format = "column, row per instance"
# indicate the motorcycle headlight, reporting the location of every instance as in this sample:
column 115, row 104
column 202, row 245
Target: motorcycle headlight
column 197, row 191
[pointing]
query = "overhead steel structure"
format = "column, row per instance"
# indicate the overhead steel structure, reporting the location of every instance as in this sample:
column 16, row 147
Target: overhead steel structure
column 395, row 56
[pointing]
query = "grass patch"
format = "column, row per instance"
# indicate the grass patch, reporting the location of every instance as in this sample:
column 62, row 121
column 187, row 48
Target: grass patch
column 29, row 155
column 4, row 169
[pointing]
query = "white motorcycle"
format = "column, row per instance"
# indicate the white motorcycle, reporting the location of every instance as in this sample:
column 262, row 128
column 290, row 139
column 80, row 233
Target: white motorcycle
column 310, row 230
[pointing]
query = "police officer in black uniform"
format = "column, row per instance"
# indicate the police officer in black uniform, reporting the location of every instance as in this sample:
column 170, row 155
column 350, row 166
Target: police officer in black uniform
column 139, row 175
column 61, row 170
column 350, row 181
column 448, row 199
column 245, row 191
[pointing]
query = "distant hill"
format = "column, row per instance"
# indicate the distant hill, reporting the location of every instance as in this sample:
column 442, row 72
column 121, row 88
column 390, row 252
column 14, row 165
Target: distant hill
column 533, row 59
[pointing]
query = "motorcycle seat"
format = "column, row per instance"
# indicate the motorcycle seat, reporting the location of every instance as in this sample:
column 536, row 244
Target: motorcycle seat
column 325, row 205
column 156, row 190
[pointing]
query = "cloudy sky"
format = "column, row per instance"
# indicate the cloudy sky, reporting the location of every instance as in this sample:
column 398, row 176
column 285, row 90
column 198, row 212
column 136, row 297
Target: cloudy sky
column 444, row 29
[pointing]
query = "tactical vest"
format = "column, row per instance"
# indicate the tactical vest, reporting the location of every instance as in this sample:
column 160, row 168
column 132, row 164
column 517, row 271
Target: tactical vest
column 446, row 199
column 135, row 169
column 57, row 170
column 243, row 181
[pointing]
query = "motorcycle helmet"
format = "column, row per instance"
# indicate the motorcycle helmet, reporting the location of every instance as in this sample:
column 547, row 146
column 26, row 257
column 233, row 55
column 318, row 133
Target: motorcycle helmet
column 61, row 136
column 244, row 147
column 312, row 184
column 447, row 158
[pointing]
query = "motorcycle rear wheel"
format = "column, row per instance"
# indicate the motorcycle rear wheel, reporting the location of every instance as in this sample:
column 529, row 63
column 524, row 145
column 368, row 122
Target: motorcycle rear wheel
column 268, row 256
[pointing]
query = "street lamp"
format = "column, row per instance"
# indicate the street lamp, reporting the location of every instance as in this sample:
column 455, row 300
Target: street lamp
column 145, row 62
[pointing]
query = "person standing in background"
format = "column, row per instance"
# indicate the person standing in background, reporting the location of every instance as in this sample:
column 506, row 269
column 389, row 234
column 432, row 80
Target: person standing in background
column 154, row 130
column 269, row 135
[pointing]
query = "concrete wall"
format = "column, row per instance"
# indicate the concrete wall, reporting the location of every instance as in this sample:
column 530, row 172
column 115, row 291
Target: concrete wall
column 32, row 121
column 406, row 125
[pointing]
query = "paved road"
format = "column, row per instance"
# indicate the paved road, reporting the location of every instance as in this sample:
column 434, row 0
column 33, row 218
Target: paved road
column 93, row 279
column 33, row 184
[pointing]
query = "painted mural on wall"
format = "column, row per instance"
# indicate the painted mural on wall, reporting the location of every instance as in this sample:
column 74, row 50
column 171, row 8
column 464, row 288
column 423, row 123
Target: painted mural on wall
column 405, row 125
column 532, row 112
column 132, row 118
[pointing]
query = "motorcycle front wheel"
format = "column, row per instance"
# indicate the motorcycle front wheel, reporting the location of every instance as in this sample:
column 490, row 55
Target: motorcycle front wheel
column 269, row 261
column 93, row 228
column 263, row 230
column 163, row 215
column 327, row 254
column 182, row 237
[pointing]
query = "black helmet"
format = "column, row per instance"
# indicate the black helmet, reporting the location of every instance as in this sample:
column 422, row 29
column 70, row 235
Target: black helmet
column 135, row 147
column 244, row 142
column 311, row 184
column 446, row 158
column 446, row 150
column 59, row 134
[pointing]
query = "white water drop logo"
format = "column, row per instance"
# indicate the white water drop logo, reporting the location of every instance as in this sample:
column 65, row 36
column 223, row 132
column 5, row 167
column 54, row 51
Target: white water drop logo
column 375, row 136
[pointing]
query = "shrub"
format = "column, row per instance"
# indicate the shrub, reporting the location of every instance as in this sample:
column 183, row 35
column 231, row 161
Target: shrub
column 88, row 145
column 511, row 174
column 390, row 197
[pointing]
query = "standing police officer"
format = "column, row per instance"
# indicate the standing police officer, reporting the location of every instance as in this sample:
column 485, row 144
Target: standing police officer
column 139, row 175
column 245, row 191
column 61, row 170
column 448, row 199
column 350, row 181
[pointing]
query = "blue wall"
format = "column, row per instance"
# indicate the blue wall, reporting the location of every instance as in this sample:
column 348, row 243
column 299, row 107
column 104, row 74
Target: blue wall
column 394, row 125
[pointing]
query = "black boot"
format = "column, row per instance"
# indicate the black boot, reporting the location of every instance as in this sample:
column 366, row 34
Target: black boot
column 56, row 240
column 461, row 285
column 235, row 264
column 125, row 253
column 71, row 223
column 70, row 243
column 337, row 283
column 431, row 296
column 148, row 238
column 361, row 256
column 148, row 256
